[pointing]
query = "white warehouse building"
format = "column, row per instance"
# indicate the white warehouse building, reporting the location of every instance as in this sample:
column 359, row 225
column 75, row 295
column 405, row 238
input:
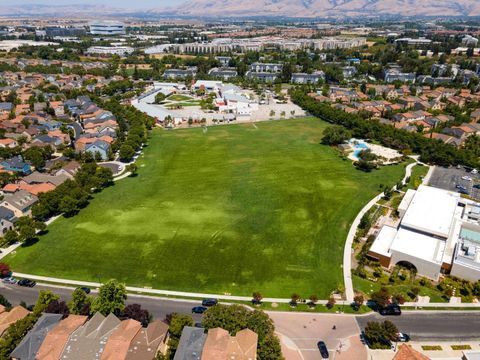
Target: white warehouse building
column 439, row 233
column 107, row 28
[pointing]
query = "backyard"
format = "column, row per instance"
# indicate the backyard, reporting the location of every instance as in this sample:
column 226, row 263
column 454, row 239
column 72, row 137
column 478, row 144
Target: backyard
column 227, row 209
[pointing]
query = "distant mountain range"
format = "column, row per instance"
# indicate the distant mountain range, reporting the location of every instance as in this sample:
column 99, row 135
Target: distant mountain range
column 284, row 8
column 329, row 8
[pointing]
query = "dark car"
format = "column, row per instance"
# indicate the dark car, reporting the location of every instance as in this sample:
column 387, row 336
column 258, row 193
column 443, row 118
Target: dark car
column 402, row 337
column 322, row 347
column 392, row 309
column 199, row 309
column 26, row 282
column 85, row 289
column 209, row 302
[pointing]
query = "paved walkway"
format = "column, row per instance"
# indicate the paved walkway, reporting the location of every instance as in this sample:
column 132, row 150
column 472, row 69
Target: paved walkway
column 347, row 251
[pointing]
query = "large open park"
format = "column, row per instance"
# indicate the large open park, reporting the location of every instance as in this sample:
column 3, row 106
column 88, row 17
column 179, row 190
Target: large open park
column 227, row 209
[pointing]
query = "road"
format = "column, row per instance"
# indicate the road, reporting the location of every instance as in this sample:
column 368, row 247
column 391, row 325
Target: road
column 433, row 326
column 159, row 308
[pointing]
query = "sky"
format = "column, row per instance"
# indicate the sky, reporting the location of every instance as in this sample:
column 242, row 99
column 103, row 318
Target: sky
column 135, row 4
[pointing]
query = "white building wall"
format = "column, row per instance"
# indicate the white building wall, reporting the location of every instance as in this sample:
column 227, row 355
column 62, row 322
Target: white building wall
column 424, row 268
column 465, row 272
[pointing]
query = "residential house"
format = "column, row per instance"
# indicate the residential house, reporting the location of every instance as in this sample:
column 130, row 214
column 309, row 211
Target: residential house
column 395, row 74
column 56, row 339
column 8, row 143
column 349, row 71
column 262, row 76
column 224, row 73
column 20, row 203
column 304, row 78
column 89, row 340
column 7, row 219
column 475, row 115
column 99, row 147
column 266, row 67
column 149, row 341
column 40, row 178
column 8, row 318
column 30, row 344
column 5, row 107
column 119, row 342
column 219, row 345
column 179, row 73
column 445, row 138
column 191, row 344
column 69, row 169
column 16, row 164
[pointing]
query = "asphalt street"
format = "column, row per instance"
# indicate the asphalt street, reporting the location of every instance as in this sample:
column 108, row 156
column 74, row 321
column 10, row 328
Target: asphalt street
column 431, row 325
column 159, row 308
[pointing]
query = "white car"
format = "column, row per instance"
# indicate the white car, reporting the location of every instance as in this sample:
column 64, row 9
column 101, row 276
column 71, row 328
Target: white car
column 402, row 337
column 468, row 178
column 474, row 171
column 10, row 280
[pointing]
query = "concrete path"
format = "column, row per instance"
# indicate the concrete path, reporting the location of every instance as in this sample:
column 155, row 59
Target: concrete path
column 347, row 251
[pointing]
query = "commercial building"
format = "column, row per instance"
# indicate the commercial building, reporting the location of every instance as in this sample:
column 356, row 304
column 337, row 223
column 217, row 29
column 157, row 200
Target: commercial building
column 439, row 233
column 107, row 28
column 303, row 78
column 110, row 50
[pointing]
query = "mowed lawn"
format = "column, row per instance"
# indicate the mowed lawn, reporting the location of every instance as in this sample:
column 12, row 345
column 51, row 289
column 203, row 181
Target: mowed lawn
column 234, row 209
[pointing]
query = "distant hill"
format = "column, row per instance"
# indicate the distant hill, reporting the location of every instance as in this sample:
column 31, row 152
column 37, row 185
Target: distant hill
column 250, row 8
column 329, row 8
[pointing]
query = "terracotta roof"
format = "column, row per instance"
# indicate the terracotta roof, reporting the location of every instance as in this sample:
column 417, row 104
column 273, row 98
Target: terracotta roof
column 119, row 342
column 145, row 344
column 52, row 346
column 12, row 316
column 219, row 345
column 406, row 352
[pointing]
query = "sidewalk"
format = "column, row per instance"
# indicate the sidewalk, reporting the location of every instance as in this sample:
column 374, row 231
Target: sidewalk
column 347, row 251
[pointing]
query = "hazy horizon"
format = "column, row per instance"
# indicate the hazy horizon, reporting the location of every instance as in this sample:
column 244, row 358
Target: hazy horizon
column 138, row 4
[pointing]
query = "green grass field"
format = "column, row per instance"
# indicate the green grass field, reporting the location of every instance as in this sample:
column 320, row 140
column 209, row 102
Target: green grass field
column 234, row 209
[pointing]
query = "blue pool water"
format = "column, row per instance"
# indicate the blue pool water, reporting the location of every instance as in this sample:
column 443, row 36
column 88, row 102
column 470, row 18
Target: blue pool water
column 357, row 148
column 470, row 235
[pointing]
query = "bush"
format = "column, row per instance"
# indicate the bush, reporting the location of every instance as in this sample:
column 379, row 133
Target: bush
column 330, row 303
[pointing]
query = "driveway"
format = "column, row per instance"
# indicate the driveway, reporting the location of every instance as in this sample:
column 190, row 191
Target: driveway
column 304, row 331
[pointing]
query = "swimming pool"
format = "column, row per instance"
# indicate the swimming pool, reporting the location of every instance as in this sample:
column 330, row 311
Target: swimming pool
column 357, row 148
column 471, row 235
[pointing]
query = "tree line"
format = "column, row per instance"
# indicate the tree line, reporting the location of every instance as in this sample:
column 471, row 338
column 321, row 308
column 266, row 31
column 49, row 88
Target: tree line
column 430, row 150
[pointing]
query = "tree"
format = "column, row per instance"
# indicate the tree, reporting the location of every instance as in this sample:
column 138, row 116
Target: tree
column 132, row 169
column 111, row 298
column 295, row 297
column 257, row 297
column 331, row 303
column 177, row 323
column 11, row 237
column 27, row 228
column 358, row 301
column 135, row 312
column 5, row 302
column 79, row 302
column 334, row 135
column 381, row 297
column 57, row 307
column 45, row 297
column 159, row 98
column 234, row 318
column 313, row 299
column 4, row 270
column 126, row 152
column 68, row 206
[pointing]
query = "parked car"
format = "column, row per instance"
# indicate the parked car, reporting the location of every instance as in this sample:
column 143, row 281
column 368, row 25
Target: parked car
column 392, row 309
column 468, row 178
column 209, row 302
column 85, row 289
column 402, row 337
column 199, row 309
column 476, row 186
column 10, row 280
column 27, row 283
column 322, row 347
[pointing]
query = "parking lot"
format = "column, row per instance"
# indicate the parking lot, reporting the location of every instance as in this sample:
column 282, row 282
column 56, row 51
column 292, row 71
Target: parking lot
column 456, row 179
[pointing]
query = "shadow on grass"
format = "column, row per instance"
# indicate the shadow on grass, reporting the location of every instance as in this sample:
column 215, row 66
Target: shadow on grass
column 30, row 242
